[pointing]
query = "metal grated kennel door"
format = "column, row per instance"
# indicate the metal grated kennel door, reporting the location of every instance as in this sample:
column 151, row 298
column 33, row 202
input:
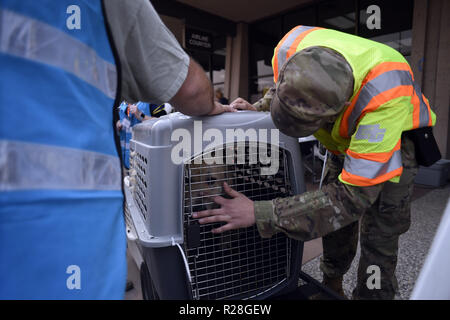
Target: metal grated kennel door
column 237, row 263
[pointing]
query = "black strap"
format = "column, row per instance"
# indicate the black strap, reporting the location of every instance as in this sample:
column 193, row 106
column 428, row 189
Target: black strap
column 427, row 150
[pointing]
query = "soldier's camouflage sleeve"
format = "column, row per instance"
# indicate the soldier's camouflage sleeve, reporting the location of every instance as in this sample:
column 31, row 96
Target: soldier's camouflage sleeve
column 316, row 213
column 263, row 104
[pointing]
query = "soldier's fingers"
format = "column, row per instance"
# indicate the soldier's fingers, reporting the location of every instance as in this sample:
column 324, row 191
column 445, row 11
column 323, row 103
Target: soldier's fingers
column 207, row 213
column 212, row 219
column 229, row 109
column 237, row 100
column 240, row 105
column 224, row 228
column 220, row 200
column 234, row 105
column 230, row 191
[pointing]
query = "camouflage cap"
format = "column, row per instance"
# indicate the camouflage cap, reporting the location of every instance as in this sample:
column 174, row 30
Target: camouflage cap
column 312, row 89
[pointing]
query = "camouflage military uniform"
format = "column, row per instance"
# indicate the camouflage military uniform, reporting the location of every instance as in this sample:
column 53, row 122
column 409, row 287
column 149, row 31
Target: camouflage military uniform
column 335, row 211
column 264, row 103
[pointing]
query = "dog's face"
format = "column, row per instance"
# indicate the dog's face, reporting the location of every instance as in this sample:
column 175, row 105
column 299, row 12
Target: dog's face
column 207, row 183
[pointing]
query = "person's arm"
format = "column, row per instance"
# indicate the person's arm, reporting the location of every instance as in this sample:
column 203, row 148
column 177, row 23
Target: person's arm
column 303, row 217
column 263, row 104
column 154, row 67
column 314, row 214
column 196, row 96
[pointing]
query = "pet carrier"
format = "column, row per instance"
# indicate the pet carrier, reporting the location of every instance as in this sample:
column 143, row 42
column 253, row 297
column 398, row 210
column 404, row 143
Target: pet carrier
column 178, row 164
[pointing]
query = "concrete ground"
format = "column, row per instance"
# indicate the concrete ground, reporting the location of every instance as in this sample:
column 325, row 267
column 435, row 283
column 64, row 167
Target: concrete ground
column 426, row 210
column 133, row 275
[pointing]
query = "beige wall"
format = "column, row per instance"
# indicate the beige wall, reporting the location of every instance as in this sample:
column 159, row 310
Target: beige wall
column 431, row 62
column 236, row 64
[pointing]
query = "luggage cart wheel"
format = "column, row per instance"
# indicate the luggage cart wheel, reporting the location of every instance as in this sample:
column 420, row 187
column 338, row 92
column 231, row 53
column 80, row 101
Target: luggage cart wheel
column 148, row 288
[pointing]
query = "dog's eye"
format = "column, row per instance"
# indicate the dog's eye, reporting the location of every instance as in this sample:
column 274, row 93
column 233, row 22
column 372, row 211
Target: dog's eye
column 212, row 181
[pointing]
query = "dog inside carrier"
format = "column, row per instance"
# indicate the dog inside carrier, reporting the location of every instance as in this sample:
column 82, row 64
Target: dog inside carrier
column 178, row 165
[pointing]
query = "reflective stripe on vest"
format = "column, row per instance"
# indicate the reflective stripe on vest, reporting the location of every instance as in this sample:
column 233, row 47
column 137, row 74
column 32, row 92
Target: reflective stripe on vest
column 386, row 81
column 31, row 39
column 60, row 179
column 288, row 46
column 29, row 166
column 360, row 170
column 422, row 110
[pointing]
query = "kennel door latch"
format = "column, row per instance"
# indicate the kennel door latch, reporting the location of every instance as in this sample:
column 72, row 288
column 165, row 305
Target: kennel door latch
column 193, row 235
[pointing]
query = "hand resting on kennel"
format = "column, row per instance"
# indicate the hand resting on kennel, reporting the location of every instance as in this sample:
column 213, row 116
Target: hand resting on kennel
column 237, row 212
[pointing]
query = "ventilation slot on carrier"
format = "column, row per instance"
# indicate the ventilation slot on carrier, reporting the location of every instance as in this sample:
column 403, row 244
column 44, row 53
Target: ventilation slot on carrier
column 140, row 164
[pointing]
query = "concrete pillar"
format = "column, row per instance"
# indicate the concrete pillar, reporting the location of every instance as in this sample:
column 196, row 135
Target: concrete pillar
column 236, row 64
column 431, row 62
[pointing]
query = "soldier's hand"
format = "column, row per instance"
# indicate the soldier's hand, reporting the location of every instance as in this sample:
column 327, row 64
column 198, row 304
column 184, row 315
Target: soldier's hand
column 237, row 212
column 241, row 104
column 220, row 108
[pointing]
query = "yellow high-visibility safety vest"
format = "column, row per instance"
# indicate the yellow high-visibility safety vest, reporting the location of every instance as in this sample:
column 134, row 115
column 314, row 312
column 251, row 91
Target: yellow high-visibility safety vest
column 385, row 102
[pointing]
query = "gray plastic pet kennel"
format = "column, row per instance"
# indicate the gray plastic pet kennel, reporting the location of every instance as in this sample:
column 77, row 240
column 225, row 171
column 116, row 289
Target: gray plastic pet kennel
column 169, row 180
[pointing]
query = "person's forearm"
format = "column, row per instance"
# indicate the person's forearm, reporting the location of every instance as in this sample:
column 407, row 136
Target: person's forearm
column 263, row 104
column 196, row 96
column 316, row 213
